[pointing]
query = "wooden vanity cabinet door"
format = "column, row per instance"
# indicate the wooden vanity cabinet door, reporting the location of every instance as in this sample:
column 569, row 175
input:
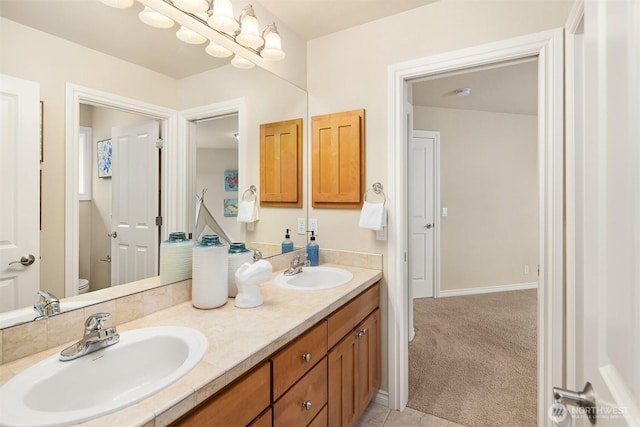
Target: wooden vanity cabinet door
column 237, row 405
column 348, row 317
column 354, row 372
column 337, row 160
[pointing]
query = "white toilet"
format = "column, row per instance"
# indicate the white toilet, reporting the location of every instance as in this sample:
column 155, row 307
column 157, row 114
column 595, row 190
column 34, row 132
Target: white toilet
column 83, row 286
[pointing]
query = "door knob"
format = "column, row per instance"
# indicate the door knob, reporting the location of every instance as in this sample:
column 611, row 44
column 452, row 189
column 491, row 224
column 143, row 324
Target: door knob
column 428, row 226
column 25, row 260
column 584, row 399
column 114, row 234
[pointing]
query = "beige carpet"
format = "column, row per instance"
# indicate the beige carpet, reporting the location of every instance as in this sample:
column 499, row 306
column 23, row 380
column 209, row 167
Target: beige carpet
column 473, row 360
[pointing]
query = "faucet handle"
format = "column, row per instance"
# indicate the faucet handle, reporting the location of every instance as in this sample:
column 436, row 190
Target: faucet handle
column 96, row 321
column 295, row 260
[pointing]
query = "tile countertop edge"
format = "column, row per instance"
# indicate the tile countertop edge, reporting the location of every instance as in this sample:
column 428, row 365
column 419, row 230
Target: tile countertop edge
column 299, row 310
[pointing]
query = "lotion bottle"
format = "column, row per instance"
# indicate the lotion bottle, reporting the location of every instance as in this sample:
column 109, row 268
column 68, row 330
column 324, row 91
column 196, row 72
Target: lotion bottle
column 313, row 251
column 287, row 244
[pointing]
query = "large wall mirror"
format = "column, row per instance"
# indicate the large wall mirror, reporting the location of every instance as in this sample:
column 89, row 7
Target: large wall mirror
column 214, row 133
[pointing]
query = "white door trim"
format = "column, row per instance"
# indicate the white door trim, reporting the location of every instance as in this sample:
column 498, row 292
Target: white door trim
column 173, row 194
column 237, row 105
column 548, row 47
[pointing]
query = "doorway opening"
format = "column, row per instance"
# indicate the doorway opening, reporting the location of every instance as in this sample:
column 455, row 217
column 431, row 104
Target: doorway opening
column 547, row 48
column 76, row 97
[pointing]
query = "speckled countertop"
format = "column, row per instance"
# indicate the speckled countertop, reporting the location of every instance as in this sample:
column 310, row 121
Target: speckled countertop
column 238, row 340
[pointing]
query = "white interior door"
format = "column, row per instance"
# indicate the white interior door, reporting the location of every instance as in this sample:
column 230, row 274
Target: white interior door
column 135, row 182
column 19, row 192
column 608, row 215
column 422, row 211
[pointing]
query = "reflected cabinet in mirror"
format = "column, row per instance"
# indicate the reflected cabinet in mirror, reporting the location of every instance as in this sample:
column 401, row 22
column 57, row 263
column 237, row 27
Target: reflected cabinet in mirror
column 204, row 134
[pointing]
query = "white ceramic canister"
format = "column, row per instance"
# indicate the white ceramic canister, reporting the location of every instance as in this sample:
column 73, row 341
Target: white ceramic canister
column 175, row 258
column 238, row 255
column 209, row 288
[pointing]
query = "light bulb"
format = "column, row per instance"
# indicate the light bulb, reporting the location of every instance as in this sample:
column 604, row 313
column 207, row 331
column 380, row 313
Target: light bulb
column 189, row 36
column 192, row 6
column 240, row 62
column 219, row 51
column 154, row 18
column 249, row 32
column 222, row 17
column 272, row 46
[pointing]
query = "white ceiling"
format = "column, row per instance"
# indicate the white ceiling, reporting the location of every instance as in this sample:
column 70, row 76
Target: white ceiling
column 217, row 132
column 502, row 88
column 119, row 32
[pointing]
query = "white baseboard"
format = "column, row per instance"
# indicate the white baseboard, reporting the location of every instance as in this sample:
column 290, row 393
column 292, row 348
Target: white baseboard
column 382, row 398
column 488, row 289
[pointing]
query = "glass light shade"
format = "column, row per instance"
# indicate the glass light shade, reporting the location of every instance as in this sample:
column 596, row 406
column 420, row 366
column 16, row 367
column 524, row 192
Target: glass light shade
column 222, row 17
column 120, row 4
column 249, row 33
column 189, row 36
column 192, row 6
column 219, row 51
column 155, row 19
column 272, row 47
column 240, row 62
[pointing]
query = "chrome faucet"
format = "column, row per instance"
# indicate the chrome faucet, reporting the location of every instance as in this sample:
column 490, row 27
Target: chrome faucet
column 95, row 337
column 296, row 265
column 48, row 304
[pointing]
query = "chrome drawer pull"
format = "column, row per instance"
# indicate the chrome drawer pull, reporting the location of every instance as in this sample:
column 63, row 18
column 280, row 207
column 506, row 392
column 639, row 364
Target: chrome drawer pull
column 306, row 405
column 306, row 357
column 361, row 333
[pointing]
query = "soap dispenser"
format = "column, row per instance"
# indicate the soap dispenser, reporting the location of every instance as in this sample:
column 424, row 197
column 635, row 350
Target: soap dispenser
column 313, row 251
column 287, row 244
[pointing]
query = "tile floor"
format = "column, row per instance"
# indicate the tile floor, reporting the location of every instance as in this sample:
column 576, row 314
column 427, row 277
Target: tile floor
column 377, row 415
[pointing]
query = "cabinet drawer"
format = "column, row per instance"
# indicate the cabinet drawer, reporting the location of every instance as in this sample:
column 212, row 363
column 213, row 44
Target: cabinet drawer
column 297, row 358
column 237, row 405
column 321, row 419
column 290, row 409
column 264, row 420
column 348, row 317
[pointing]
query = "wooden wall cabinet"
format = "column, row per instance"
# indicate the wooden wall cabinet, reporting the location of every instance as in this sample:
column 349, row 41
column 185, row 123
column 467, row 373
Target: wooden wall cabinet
column 281, row 164
column 338, row 160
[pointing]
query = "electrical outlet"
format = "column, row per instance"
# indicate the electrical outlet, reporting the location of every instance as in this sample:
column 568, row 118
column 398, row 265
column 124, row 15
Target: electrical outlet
column 313, row 225
column 526, row 269
column 302, row 226
column 381, row 234
column 250, row 226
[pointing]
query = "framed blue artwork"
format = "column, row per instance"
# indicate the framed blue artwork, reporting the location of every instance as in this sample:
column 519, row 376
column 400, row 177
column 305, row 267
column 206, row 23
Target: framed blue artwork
column 230, row 207
column 104, row 158
column 231, row 180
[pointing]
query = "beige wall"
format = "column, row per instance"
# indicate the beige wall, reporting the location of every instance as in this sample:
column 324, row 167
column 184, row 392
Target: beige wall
column 211, row 164
column 488, row 183
column 348, row 70
column 268, row 99
column 51, row 61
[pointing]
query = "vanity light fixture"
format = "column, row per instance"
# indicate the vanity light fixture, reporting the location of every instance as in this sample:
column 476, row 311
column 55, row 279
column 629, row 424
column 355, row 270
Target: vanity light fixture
column 155, row 19
column 187, row 35
column 198, row 17
column 240, row 62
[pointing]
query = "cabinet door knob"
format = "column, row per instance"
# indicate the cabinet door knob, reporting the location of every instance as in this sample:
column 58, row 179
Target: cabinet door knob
column 306, row 405
column 361, row 333
column 306, row 357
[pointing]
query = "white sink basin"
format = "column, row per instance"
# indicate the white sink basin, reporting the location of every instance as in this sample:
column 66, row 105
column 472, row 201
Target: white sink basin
column 315, row 278
column 55, row 393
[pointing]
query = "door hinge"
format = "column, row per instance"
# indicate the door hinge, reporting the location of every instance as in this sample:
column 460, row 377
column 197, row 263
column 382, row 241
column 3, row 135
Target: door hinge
column 158, row 221
column 159, row 143
column 405, row 257
column 538, row 270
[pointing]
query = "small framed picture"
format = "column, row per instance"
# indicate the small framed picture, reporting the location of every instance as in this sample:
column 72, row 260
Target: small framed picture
column 230, row 207
column 231, row 180
column 104, row 158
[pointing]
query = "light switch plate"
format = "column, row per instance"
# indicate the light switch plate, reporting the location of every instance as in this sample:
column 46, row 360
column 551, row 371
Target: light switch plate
column 444, row 212
column 313, row 225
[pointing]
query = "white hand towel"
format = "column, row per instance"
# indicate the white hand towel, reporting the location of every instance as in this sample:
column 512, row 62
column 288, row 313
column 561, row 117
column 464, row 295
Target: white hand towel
column 247, row 211
column 373, row 216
